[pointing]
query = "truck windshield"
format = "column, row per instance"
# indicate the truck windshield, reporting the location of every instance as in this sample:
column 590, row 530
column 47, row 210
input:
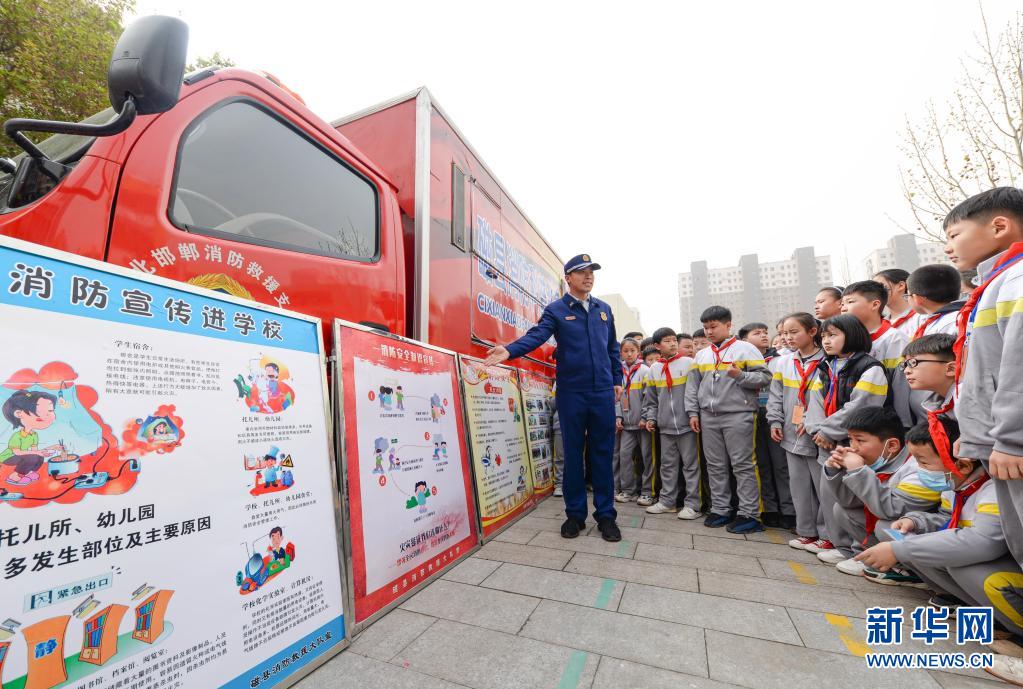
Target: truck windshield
column 64, row 148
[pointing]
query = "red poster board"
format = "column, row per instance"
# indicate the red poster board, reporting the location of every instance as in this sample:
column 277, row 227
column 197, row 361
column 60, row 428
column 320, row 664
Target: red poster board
column 406, row 466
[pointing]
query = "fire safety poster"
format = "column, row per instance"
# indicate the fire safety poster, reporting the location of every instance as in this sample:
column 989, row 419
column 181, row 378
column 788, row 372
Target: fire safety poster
column 412, row 513
column 538, row 400
column 167, row 499
column 493, row 405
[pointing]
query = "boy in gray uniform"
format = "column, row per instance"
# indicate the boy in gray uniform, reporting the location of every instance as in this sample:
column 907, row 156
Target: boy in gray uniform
column 721, row 400
column 664, row 410
column 873, row 479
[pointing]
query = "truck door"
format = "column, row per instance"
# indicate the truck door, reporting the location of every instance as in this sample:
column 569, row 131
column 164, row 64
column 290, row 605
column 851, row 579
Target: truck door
column 233, row 191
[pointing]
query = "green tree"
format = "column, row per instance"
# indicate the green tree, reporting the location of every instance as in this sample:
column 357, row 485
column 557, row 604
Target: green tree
column 214, row 61
column 54, row 56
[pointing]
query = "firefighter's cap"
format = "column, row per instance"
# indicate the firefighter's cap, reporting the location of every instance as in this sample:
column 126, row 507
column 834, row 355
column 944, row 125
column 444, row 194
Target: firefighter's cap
column 579, row 263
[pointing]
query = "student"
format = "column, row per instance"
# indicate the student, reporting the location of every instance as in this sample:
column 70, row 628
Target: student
column 793, row 378
column 900, row 311
column 700, row 341
column 873, row 479
column 934, row 294
column 930, row 372
column 772, row 467
column 664, row 410
column 968, row 277
column 721, row 400
column 686, row 346
column 849, row 379
column 866, row 301
column 634, row 335
column 631, row 425
column 828, row 303
column 650, row 355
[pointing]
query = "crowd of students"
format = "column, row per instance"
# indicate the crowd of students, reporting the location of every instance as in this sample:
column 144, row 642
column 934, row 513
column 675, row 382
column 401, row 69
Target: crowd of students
column 885, row 429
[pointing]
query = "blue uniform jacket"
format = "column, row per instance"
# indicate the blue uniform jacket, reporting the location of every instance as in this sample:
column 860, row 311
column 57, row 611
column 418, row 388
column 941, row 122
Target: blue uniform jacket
column 587, row 356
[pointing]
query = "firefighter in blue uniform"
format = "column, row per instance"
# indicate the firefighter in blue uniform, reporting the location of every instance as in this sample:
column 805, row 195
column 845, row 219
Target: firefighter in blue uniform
column 589, row 375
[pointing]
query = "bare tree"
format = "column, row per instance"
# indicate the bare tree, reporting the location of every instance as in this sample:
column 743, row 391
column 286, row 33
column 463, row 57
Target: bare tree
column 975, row 140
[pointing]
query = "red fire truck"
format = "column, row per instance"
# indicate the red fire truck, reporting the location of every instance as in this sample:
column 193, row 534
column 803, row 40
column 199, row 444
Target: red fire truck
column 226, row 180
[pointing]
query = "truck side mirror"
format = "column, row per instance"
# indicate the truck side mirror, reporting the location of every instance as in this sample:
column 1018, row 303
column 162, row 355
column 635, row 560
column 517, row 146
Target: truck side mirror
column 148, row 64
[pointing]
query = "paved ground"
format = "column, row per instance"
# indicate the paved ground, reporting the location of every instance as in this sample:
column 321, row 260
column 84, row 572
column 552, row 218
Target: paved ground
column 675, row 605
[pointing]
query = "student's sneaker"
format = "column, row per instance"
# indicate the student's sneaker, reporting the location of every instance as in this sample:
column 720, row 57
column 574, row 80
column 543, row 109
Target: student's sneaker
column 771, row 519
column 1007, row 669
column 832, row 557
column 788, row 521
column 896, row 576
column 745, row 525
column 689, row 513
column 716, row 521
column 802, row 542
column 944, row 600
column 819, row 546
column 645, row 501
column 558, row 492
column 622, row 497
column 851, row 566
column 659, row 508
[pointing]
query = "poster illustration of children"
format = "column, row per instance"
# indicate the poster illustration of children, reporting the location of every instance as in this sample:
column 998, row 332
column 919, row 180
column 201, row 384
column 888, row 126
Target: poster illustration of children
column 400, row 394
column 28, row 412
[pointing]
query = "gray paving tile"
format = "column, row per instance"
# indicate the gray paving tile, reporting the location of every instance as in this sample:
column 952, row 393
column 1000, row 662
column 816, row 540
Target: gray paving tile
column 694, row 527
column 822, row 598
column 948, row 681
column 486, row 659
column 651, row 642
column 750, row 548
column 621, row 674
column 472, row 571
column 482, row 607
column 567, row 587
column 804, row 568
column 881, row 595
column 524, row 555
column 584, row 544
column 665, row 576
column 349, row 670
column 700, row 559
column 537, row 522
column 776, row 536
column 762, row 664
column 391, row 633
column 514, row 534
column 710, row 612
column 669, row 538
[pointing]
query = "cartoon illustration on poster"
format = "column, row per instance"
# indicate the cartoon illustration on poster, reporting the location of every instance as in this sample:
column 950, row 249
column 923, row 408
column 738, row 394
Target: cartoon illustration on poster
column 409, row 483
column 504, row 480
column 538, row 400
column 151, row 526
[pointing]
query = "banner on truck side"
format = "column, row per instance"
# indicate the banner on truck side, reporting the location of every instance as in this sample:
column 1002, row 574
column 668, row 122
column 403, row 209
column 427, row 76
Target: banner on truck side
column 538, row 401
column 497, row 438
column 167, row 494
column 406, row 465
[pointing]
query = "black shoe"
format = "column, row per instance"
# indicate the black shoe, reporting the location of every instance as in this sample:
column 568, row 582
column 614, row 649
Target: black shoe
column 788, row 521
column 944, row 600
column 715, row 520
column 744, row 525
column 771, row 519
column 609, row 530
column 572, row 527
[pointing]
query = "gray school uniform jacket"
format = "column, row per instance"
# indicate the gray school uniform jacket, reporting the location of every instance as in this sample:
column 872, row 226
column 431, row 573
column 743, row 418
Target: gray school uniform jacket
column 901, row 493
column 990, row 404
column 630, row 408
column 979, row 537
column 871, row 390
column 711, row 389
column 667, row 406
column 784, row 398
column 888, row 350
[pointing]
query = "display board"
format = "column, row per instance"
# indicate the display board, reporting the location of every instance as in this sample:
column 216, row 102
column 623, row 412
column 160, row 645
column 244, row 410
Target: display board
column 538, row 403
column 497, row 440
column 167, row 490
column 405, row 465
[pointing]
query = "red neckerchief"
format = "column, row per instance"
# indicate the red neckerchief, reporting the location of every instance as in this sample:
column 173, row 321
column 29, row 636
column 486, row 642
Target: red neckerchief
column 901, row 320
column 924, row 326
column 869, row 516
column 886, row 325
column 959, row 499
column 804, row 376
column 831, row 395
column 667, row 369
column 629, row 373
column 940, row 438
column 718, row 351
column 969, row 310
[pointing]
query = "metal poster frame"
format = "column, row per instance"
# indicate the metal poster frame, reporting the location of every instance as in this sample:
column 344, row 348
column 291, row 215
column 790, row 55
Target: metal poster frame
column 345, row 489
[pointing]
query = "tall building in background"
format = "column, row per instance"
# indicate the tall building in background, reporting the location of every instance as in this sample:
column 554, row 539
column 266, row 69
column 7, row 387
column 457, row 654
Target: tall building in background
column 752, row 290
column 907, row 252
column 626, row 317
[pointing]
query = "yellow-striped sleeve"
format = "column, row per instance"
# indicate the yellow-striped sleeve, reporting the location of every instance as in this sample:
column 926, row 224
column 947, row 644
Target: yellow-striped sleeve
column 919, row 492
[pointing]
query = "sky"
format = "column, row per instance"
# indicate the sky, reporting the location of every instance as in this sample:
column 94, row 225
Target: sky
column 648, row 135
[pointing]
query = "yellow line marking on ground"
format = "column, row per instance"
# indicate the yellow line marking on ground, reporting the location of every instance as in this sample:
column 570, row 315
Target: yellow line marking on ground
column 852, row 641
column 802, row 573
column 775, row 537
